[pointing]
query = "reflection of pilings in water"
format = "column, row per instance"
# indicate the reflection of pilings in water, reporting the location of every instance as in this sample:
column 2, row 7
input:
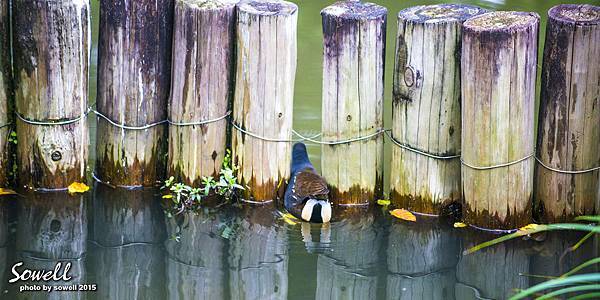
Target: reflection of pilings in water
column 52, row 228
column 52, row 225
column 421, row 259
column 553, row 258
column 491, row 272
column 128, row 229
column 194, row 262
column 346, row 272
column 258, row 257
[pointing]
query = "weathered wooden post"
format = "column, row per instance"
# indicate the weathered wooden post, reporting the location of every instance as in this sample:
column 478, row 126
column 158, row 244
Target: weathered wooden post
column 499, row 55
column 6, row 92
column 258, row 256
column 568, row 146
column 195, row 265
column 134, row 73
column 353, row 71
column 430, row 273
column 51, row 60
column 264, row 96
column 201, row 87
column 425, row 172
column 129, row 232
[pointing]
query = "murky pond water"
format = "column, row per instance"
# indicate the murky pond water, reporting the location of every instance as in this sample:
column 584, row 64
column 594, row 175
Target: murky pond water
column 121, row 240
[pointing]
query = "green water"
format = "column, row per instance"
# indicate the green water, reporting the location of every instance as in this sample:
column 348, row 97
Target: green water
column 121, row 241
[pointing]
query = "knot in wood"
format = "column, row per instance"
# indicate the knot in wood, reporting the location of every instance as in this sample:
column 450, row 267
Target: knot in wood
column 56, row 155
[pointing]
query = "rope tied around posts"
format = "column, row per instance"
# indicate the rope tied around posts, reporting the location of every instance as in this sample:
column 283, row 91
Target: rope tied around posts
column 6, row 125
column 566, row 171
column 53, row 123
column 421, row 152
column 498, row 165
column 148, row 126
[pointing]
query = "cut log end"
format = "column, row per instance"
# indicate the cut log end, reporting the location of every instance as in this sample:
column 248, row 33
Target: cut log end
column 208, row 4
column 355, row 10
column 268, row 7
column 508, row 21
column 581, row 14
column 440, row 13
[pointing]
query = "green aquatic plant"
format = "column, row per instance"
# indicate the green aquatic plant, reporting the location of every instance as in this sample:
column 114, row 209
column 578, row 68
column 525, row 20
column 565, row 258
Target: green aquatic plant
column 577, row 285
column 185, row 197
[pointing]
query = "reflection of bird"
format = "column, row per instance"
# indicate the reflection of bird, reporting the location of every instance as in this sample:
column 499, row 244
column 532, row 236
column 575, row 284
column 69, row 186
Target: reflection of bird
column 307, row 195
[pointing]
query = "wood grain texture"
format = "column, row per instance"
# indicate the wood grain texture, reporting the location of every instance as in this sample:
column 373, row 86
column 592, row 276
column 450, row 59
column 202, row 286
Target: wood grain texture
column 134, row 74
column 569, row 131
column 195, row 264
column 264, row 95
column 258, row 256
column 426, row 106
column 201, row 87
column 346, row 272
column 353, row 76
column 6, row 96
column 51, row 62
column 499, row 57
column 429, row 273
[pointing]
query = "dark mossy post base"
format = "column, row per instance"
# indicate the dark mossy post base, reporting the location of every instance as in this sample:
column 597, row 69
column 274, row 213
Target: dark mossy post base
column 353, row 76
column 426, row 107
column 134, row 74
column 128, row 231
column 6, row 93
column 264, row 96
column 569, row 132
column 51, row 60
column 499, row 56
column 421, row 261
column 201, row 87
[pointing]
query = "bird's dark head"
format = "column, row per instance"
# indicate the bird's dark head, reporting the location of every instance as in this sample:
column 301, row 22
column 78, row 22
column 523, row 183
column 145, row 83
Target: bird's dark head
column 316, row 211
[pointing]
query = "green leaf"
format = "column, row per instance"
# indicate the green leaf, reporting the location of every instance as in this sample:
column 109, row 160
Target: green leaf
column 584, row 265
column 588, row 218
column 586, row 296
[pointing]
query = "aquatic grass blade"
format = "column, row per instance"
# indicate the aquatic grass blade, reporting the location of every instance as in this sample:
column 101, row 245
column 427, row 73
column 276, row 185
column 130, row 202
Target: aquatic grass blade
column 586, row 296
column 572, row 289
column 556, row 283
column 586, row 264
column 588, row 218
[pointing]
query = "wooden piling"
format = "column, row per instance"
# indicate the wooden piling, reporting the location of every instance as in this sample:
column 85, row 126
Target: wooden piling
column 51, row 61
column 128, row 229
column 353, row 76
column 134, row 74
column 201, row 87
column 426, row 107
column 568, row 132
column 499, row 56
column 6, row 93
column 430, row 274
column 264, row 94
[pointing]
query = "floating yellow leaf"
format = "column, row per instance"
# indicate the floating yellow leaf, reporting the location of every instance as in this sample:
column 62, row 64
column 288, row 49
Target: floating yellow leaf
column 404, row 215
column 529, row 227
column 383, row 202
column 78, row 187
column 4, row 192
column 169, row 196
column 460, row 225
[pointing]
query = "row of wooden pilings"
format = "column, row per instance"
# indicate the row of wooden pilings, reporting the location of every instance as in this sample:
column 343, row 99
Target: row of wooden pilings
column 170, row 72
